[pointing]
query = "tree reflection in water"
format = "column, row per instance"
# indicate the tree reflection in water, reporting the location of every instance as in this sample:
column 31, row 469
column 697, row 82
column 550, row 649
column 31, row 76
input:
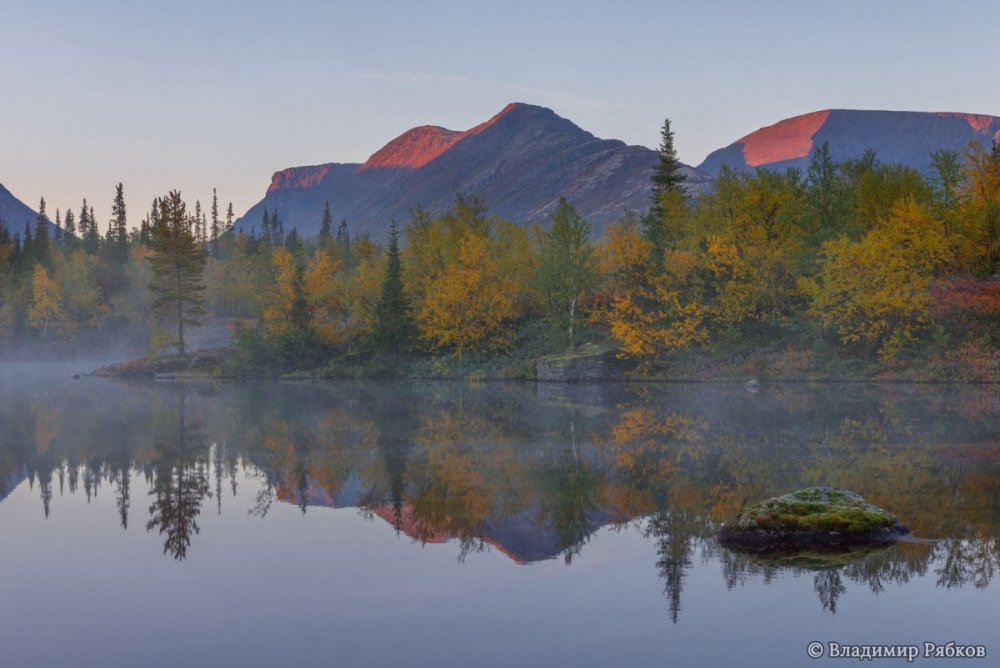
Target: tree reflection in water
column 180, row 480
column 496, row 467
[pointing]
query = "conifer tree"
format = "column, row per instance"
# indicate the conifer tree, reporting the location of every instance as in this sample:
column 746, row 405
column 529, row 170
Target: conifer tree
column 59, row 229
column 265, row 229
column 88, row 229
column 344, row 242
column 178, row 267
column 41, row 249
column 16, row 252
column 668, row 175
column 215, row 218
column 119, row 224
column 197, row 220
column 393, row 317
column 668, row 180
column 70, row 228
column 28, row 247
column 277, row 229
column 229, row 217
column 325, row 230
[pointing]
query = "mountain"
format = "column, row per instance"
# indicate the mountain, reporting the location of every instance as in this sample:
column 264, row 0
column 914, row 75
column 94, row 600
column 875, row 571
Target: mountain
column 14, row 213
column 520, row 162
column 521, row 537
column 907, row 137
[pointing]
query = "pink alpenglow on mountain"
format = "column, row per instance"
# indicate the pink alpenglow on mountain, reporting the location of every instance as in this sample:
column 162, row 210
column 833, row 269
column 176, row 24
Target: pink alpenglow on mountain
column 520, row 161
column 785, row 140
column 906, row 137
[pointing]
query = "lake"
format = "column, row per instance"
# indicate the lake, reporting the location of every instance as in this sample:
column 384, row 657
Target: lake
column 455, row 524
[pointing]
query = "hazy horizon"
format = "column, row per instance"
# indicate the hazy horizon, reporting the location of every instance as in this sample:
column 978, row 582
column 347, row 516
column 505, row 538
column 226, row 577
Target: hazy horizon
column 200, row 95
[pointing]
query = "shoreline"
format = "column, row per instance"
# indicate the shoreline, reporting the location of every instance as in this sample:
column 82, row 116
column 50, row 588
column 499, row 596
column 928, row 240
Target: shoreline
column 209, row 365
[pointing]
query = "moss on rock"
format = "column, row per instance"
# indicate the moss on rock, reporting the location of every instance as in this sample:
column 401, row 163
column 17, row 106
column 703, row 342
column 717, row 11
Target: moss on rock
column 811, row 515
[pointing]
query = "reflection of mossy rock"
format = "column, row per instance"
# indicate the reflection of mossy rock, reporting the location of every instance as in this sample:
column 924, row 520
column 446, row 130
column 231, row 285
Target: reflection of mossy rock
column 819, row 556
column 810, row 516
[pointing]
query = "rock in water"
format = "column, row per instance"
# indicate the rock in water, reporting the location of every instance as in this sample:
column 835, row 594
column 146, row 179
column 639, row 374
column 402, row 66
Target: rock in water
column 810, row 516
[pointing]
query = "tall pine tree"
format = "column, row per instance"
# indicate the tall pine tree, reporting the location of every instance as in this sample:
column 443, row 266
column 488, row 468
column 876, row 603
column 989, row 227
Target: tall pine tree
column 41, row 249
column 119, row 224
column 326, row 228
column 70, row 229
column 393, row 316
column 215, row 218
column 178, row 267
column 668, row 181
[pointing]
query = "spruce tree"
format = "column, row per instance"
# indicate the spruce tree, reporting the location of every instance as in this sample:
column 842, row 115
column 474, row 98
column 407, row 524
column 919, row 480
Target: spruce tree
column 41, row 249
column 197, row 220
column 277, row 229
column 88, row 229
column 326, row 229
column 229, row 217
column 669, row 174
column 16, row 252
column 215, row 218
column 265, row 229
column 95, row 234
column 28, row 247
column 59, row 229
column 70, row 229
column 668, row 180
column 344, row 243
column 393, row 317
column 178, row 266
column 119, row 224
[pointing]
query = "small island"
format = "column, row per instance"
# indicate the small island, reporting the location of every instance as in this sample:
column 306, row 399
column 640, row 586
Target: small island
column 808, row 517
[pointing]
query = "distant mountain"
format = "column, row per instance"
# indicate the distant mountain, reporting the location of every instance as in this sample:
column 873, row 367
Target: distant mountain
column 521, row 537
column 521, row 162
column 906, row 137
column 14, row 213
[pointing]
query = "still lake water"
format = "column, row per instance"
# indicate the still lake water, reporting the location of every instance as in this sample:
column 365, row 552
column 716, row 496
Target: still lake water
column 450, row 524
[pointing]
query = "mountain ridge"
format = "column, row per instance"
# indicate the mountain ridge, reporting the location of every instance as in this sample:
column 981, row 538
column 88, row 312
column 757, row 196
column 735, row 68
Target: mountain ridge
column 906, row 137
column 14, row 213
column 521, row 161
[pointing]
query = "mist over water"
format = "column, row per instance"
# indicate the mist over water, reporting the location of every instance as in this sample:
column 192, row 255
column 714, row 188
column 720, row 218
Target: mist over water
column 372, row 523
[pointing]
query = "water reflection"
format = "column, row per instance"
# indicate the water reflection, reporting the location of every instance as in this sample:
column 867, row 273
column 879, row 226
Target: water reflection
column 535, row 476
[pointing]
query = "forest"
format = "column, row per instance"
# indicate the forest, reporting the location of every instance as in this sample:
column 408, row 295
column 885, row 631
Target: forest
column 852, row 269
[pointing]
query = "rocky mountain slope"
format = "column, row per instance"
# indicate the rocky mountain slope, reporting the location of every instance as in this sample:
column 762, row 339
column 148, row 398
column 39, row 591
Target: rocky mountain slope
column 906, row 137
column 14, row 213
column 521, row 162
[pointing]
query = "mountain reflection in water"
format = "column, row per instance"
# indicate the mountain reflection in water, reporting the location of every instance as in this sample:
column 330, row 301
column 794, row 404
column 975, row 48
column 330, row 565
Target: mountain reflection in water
column 530, row 472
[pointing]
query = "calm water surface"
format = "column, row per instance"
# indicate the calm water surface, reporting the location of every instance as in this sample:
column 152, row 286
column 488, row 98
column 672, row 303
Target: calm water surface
column 445, row 524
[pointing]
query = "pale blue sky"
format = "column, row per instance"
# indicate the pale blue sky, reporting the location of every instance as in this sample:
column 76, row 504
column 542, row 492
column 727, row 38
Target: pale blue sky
column 193, row 95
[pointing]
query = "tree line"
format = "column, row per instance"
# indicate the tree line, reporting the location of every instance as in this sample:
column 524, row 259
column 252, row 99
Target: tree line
column 857, row 259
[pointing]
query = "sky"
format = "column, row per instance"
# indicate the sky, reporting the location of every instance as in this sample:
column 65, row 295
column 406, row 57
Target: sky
column 220, row 94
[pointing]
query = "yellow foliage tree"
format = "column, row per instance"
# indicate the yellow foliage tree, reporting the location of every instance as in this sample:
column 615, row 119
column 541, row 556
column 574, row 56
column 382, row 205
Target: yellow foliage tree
column 76, row 275
column 750, row 250
column 979, row 238
column 876, row 290
column 278, row 311
column 648, row 313
column 325, row 297
column 46, row 308
column 470, row 304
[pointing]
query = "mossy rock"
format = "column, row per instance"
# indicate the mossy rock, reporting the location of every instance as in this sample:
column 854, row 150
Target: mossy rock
column 813, row 515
